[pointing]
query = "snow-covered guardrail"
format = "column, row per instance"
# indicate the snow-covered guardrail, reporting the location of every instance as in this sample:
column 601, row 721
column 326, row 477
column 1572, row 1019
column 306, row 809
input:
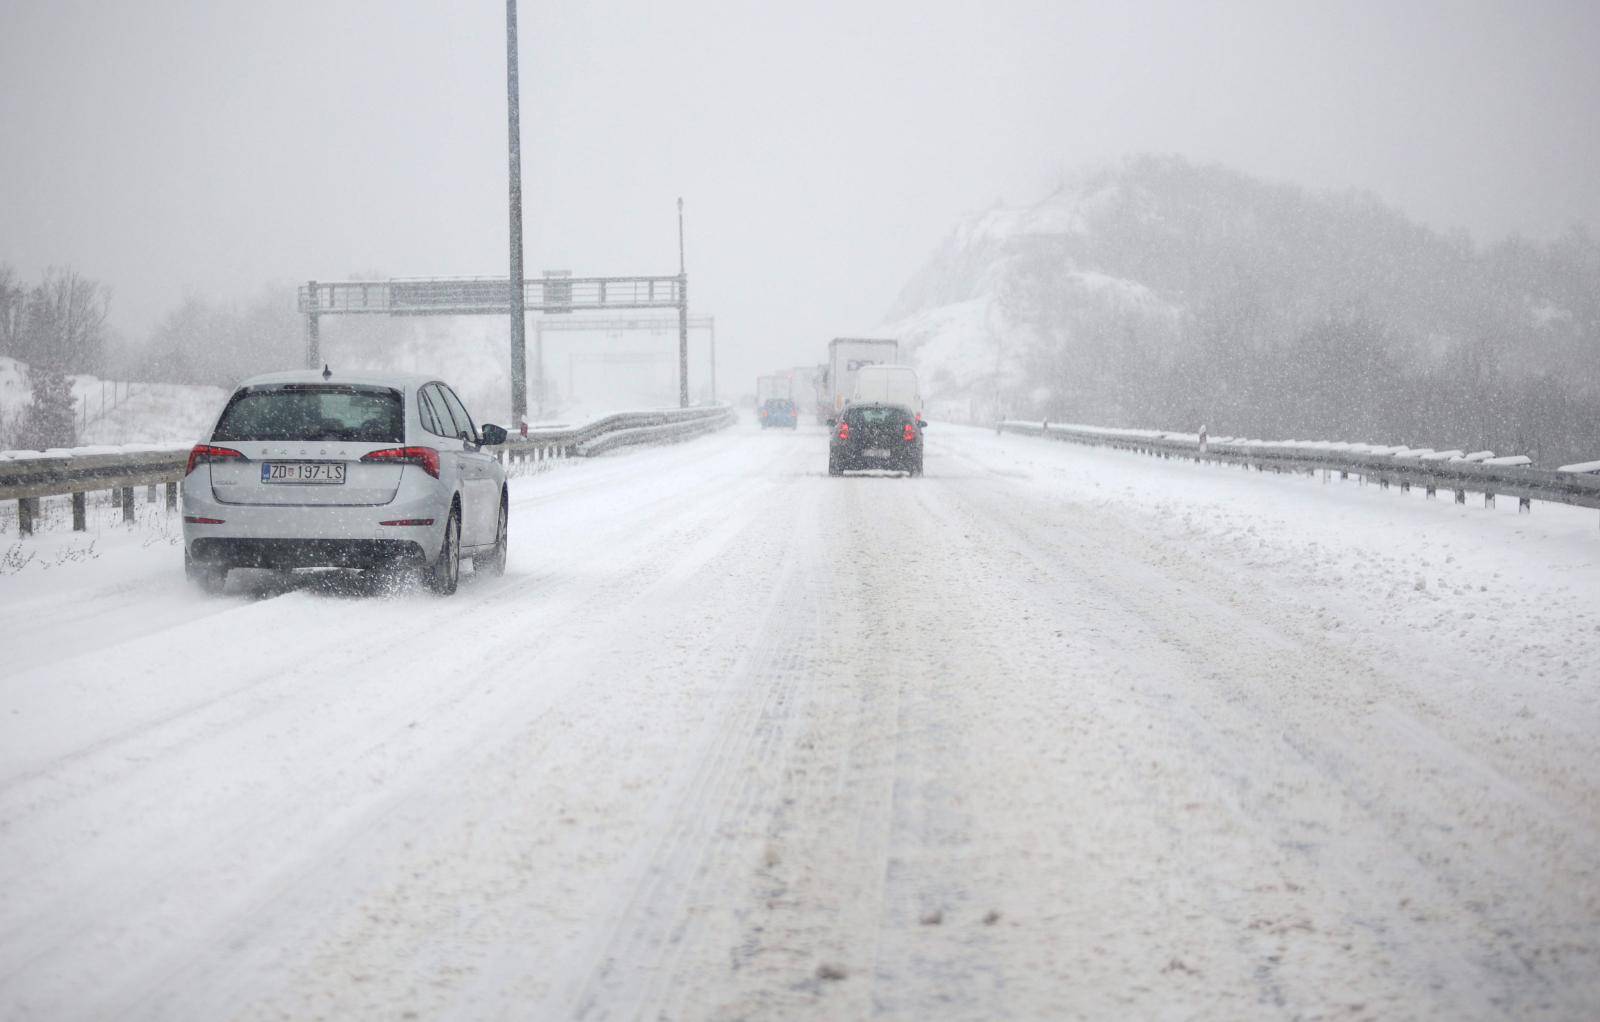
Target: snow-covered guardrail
column 613, row 431
column 25, row 476
column 1450, row 470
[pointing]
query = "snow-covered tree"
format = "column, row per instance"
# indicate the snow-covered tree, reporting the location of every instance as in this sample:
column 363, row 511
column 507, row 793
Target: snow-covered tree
column 49, row 422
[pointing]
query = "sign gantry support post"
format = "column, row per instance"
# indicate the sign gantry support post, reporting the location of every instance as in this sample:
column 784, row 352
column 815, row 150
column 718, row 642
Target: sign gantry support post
column 313, row 331
column 683, row 317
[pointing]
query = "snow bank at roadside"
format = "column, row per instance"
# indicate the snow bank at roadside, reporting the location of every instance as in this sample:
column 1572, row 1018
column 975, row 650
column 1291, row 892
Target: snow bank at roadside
column 1481, row 594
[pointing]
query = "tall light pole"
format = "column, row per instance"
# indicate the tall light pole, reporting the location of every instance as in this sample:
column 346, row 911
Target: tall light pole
column 683, row 317
column 519, row 354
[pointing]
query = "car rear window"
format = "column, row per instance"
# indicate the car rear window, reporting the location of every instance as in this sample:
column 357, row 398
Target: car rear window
column 878, row 416
column 314, row 412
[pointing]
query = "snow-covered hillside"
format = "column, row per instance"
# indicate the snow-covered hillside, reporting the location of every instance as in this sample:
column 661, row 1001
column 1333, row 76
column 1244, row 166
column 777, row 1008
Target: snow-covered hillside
column 1163, row 294
column 116, row 411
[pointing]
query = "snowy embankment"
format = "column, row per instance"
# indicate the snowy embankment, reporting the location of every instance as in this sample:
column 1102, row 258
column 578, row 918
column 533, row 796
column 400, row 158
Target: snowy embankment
column 117, row 412
column 1051, row 732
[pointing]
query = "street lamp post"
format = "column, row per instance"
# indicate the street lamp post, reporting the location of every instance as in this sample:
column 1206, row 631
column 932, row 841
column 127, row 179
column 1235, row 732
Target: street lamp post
column 519, row 354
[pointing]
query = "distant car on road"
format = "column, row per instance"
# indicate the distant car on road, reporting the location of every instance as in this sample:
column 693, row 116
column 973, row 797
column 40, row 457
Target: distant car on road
column 876, row 436
column 320, row 469
column 779, row 411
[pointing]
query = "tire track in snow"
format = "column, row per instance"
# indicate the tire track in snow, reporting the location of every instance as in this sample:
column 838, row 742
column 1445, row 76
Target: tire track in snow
column 109, row 895
column 635, row 966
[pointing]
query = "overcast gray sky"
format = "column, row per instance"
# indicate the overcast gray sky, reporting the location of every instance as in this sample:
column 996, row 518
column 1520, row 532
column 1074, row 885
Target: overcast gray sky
column 823, row 148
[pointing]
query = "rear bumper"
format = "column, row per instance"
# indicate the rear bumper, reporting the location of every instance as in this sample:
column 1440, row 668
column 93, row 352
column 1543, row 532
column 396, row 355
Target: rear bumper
column 304, row 553
column 313, row 536
column 900, row 459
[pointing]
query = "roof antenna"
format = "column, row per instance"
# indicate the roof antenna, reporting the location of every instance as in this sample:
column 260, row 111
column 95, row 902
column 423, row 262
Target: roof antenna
column 326, row 372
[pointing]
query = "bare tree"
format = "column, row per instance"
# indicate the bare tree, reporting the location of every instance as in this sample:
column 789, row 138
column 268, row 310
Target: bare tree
column 59, row 322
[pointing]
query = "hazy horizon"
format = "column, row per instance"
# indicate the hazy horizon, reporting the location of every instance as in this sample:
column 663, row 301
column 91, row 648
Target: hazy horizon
column 822, row 153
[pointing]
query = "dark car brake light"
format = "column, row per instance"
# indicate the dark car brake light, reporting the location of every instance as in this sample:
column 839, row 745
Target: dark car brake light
column 910, row 432
column 205, row 454
column 198, row 520
column 425, row 458
column 844, row 431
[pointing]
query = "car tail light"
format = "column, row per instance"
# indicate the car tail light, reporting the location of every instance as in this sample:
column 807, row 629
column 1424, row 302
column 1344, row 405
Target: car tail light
column 205, row 454
column 844, row 431
column 425, row 458
column 197, row 520
column 910, row 433
column 409, row 521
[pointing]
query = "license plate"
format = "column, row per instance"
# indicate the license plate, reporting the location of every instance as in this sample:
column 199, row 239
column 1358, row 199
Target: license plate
column 302, row 472
column 876, row 452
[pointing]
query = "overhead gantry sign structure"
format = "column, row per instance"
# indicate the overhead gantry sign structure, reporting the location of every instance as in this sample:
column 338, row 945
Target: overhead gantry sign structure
column 491, row 296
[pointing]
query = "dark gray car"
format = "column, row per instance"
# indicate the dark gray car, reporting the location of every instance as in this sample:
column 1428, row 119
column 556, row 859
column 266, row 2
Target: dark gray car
column 876, row 437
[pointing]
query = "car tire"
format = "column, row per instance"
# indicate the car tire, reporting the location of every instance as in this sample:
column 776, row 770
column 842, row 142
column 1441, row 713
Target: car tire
column 494, row 563
column 834, row 467
column 916, row 466
column 211, row 578
column 445, row 573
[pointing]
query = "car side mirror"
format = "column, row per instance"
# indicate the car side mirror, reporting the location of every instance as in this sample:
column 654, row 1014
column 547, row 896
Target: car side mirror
column 832, row 421
column 922, row 424
column 493, row 436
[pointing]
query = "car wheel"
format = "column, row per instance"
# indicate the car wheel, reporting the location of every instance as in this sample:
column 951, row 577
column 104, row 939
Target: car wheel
column 834, row 467
column 495, row 563
column 916, row 466
column 211, row 578
column 446, row 570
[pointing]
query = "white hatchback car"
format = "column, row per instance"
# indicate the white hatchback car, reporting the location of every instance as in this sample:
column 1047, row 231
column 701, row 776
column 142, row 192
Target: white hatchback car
column 362, row 470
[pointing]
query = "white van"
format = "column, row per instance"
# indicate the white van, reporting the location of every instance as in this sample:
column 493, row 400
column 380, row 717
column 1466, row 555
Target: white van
column 888, row 385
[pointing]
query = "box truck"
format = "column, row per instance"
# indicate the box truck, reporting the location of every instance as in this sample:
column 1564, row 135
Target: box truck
column 846, row 356
column 805, row 387
column 775, row 401
column 773, row 385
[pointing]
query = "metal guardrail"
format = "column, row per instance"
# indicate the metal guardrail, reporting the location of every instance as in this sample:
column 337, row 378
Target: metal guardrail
column 53, row 474
column 1452, row 471
column 618, row 430
column 25, row 476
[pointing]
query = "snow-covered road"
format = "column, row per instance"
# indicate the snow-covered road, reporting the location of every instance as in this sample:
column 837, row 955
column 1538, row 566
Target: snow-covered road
column 1051, row 732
